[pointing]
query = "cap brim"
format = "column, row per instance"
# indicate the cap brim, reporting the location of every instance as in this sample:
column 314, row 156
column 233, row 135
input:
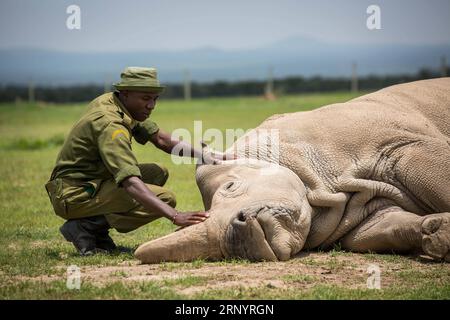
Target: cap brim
column 140, row 89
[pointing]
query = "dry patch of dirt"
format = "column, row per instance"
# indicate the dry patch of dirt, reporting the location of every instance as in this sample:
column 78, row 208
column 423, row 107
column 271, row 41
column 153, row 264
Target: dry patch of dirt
column 309, row 269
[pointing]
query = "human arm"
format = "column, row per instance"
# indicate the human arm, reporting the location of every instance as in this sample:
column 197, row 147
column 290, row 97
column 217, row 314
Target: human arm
column 136, row 188
column 114, row 147
column 164, row 141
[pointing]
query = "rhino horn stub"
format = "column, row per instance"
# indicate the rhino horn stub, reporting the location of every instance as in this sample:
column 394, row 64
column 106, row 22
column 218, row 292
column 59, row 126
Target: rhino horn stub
column 198, row 241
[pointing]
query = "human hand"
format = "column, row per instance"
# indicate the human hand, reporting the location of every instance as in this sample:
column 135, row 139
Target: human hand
column 189, row 218
column 214, row 157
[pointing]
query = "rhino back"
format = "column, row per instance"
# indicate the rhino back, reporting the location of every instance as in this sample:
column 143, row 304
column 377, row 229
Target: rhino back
column 431, row 98
column 341, row 149
column 362, row 127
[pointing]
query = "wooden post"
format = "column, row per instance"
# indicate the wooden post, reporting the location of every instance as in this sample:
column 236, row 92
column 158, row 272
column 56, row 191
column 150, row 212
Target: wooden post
column 31, row 98
column 443, row 66
column 354, row 86
column 107, row 84
column 268, row 94
column 187, row 85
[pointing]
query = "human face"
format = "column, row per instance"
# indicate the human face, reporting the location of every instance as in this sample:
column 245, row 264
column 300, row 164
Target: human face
column 139, row 104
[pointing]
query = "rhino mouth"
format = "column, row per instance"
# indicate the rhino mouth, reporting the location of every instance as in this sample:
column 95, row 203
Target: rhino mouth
column 262, row 232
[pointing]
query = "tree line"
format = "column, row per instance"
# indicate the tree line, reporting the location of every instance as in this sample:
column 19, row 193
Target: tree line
column 288, row 85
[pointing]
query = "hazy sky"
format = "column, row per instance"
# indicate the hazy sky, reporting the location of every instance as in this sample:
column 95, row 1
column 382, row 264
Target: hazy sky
column 110, row 25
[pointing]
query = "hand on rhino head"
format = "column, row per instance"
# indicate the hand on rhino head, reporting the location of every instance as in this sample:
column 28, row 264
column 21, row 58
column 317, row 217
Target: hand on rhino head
column 210, row 156
column 258, row 211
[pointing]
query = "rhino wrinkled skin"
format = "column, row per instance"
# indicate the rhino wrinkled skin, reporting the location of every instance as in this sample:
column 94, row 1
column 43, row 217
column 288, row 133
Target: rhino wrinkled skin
column 372, row 174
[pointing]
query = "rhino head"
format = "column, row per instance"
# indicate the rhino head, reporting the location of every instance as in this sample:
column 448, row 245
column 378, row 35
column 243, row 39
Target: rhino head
column 258, row 211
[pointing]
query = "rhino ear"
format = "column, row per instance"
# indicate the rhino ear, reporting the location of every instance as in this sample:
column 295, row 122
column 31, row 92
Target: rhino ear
column 199, row 241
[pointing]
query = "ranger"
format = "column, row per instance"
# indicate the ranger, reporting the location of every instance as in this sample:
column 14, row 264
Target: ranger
column 97, row 183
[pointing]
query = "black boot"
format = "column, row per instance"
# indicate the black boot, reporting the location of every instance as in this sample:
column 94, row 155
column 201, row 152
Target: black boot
column 100, row 227
column 84, row 240
column 89, row 235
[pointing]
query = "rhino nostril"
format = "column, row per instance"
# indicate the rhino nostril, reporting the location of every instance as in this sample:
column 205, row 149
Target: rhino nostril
column 241, row 216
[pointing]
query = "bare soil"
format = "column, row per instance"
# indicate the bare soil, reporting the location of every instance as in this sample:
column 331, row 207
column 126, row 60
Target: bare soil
column 307, row 270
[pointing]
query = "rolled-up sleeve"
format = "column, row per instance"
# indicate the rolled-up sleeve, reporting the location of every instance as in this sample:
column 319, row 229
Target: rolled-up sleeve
column 144, row 130
column 114, row 144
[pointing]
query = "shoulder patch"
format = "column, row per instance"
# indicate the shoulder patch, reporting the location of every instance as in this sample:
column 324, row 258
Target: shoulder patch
column 118, row 132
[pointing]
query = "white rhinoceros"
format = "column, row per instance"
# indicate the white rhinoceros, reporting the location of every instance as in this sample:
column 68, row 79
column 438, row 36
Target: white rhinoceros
column 372, row 173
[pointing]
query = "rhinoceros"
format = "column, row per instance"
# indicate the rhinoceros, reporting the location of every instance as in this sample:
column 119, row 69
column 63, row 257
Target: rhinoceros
column 371, row 174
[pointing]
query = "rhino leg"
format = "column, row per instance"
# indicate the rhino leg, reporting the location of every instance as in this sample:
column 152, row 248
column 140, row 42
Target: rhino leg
column 392, row 229
column 424, row 169
column 436, row 235
column 386, row 230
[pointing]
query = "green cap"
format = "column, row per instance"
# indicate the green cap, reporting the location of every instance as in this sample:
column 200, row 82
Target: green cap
column 139, row 79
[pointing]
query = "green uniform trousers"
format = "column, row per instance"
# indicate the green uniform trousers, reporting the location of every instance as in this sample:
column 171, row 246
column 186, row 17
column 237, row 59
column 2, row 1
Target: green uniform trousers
column 73, row 199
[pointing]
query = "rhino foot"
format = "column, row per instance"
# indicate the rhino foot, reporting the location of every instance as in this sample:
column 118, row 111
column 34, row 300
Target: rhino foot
column 436, row 236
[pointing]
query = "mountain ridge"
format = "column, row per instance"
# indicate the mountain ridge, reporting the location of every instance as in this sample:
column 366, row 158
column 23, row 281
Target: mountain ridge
column 289, row 57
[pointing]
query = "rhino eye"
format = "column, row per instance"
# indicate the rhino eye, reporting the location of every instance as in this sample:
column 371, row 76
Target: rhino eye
column 229, row 185
column 230, row 188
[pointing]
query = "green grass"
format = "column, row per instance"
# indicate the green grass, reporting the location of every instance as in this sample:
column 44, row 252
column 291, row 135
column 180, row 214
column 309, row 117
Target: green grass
column 114, row 290
column 185, row 281
column 327, row 292
column 158, row 290
column 30, row 243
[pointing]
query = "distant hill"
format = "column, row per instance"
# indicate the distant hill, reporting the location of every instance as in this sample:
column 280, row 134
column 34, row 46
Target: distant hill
column 293, row 56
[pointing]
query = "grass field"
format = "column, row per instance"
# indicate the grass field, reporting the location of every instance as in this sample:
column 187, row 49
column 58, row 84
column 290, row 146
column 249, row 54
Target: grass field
column 34, row 257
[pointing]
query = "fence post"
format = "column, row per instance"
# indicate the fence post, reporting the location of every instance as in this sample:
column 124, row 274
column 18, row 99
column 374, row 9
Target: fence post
column 354, row 87
column 187, row 85
column 31, row 98
column 268, row 94
column 443, row 66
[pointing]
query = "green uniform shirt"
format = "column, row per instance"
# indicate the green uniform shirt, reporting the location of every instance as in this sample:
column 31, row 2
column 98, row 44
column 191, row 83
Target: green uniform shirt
column 99, row 144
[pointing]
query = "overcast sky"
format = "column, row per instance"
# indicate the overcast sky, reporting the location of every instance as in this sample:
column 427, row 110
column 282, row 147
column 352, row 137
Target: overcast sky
column 110, row 25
